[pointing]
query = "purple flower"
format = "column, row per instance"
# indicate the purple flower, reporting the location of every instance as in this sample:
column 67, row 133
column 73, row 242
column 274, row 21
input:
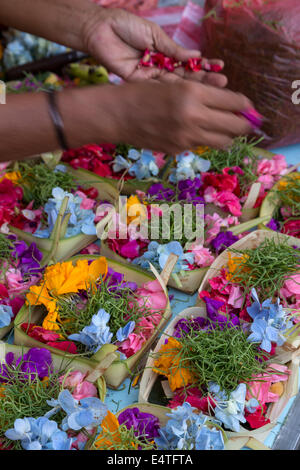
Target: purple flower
column 145, row 424
column 190, row 185
column 212, row 308
column 35, row 361
column 184, row 326
column 223, row 240
column 273, row 225
column 30, row 260
column 115, row 281
column 19, row 248
column 188, row 191
column 160, row 192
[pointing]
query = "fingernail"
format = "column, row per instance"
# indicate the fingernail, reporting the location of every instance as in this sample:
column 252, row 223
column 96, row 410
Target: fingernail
column 253, row 117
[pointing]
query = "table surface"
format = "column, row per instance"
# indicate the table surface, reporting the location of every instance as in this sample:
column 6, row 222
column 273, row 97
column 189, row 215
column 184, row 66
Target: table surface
column 126, row 395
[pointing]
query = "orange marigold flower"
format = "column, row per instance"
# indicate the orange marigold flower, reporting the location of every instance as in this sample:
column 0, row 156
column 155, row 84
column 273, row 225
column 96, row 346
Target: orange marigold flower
column 201, row 149
column 64, row 278
column 13, row 176
column 168, row 364
column 110, row 425
column 235, row 263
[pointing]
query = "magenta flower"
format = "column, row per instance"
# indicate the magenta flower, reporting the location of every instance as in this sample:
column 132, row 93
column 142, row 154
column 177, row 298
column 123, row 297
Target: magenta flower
column 145, row 424
column 223, row 240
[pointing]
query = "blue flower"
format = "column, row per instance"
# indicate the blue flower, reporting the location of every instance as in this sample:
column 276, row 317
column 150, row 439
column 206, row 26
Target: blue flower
column 123, row 333
column 120, row 164
column 39, row 434
column 81, row 220
column 189, row 166
column 187, row 430
column 251, row 405
column 158, row 254
column 86, row 413
column 6, row 315
column 229, row 410
column 145, row 166
column 270, row 322
column 95, row 335
column 61, row 168
column 263, row 334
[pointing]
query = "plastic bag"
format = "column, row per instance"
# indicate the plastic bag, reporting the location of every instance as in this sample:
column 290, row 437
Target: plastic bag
column 259, row 41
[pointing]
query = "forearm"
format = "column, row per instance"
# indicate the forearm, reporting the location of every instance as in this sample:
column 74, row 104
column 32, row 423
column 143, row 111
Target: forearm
column 61, row 21
column 26, row 128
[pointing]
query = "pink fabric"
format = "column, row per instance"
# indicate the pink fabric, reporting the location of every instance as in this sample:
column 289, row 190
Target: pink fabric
column 167, row 18
column 188, row 32
column 134, row 6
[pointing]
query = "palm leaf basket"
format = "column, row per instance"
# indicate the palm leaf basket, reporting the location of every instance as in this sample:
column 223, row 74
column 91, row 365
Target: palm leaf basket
column 252, row 439
column 252, row 240
column 186, row 281
column 115, row 371
column 57, row 247
column 60, row 364
column 270, row 205
column 161, row 413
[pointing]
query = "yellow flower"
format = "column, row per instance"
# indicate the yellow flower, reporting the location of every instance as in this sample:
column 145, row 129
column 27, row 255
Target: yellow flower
column 292, row 181
column 202, row 149
column 168, row 364
column 64, row 278
column 13, row 176
column 50, row 323
column 235, row 263
column 136, row 210
column 39, row 295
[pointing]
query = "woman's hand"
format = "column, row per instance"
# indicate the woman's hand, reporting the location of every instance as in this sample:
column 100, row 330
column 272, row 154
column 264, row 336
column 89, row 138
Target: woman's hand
column 118, row 39
column 158, row 116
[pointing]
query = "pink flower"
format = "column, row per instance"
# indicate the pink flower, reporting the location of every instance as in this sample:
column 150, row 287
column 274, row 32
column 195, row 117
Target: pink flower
column 82, row 388
column 130, row 250
column 203, row 256
column 152, row 296
column 14, row 279
column 267, row 181
column 86, row 202
column 236, row 297
column 291, row 286
column 146, row 325
column 210, row 194
column 159, row 159
column 261, row 389
column 220, row 283
column 213, row 224
column 229, row 201
column 91, row 249
column 132, row 344
column 276, row 166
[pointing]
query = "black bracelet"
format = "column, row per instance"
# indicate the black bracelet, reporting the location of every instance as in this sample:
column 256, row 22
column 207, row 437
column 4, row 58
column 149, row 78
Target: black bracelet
column 56, row 119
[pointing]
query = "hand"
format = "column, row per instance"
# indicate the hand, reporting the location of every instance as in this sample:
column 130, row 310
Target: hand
column 118, row 39
column 168, row 117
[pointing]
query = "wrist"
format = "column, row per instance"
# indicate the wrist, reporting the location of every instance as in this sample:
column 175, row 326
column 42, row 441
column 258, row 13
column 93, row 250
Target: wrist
column 90, row 115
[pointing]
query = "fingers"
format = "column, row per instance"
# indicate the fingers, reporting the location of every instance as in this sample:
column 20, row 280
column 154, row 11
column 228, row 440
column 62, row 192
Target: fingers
column 163, row 43
column 225, row 122
column 212, row 139
column 226, row 100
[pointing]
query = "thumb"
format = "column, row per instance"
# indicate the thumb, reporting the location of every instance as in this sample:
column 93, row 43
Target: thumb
column 163, row 43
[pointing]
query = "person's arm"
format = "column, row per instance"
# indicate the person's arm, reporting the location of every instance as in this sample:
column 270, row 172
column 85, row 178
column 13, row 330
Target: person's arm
column 116, row 38
column 165, row 117
column 60, row 21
